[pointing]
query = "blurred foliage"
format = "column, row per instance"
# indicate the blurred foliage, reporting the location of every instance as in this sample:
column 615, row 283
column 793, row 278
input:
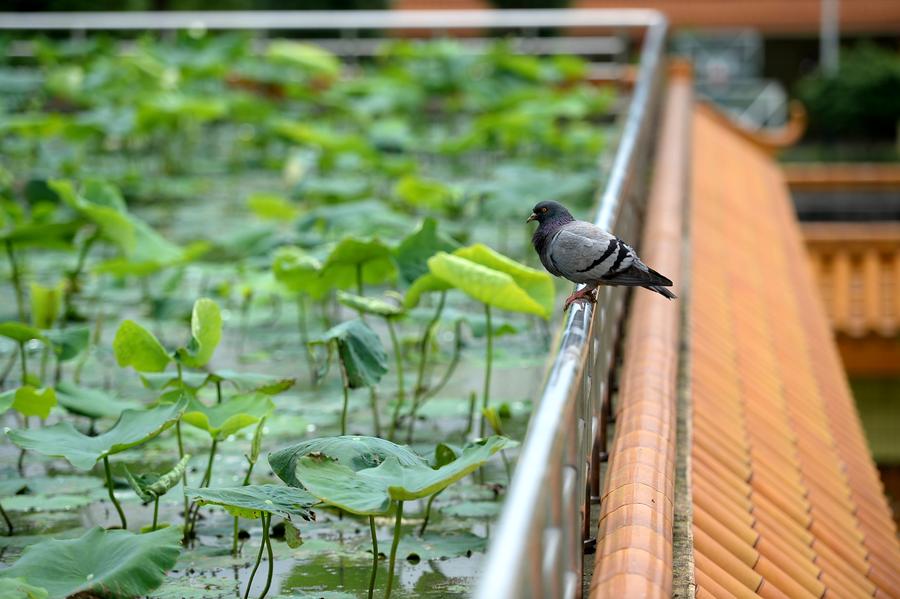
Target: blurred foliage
column 860, row 100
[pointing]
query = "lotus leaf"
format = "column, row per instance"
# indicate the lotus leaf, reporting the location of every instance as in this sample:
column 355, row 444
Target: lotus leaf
column 360, row 350
column 426, row 193
column 21, row 333
column 137, row 347
column 93, row 403
column 272, row 207
column 102, row 562
column 30, row 401
column 251, row 500
column 109, row 215
column 299, row 272
column 228, row 417
column 45, row 304
column 371, row 255
column 244, row 382
column 133, row 428
column 372, row 490
column 308, row 56
column 414, row 251
column 17, row 588
column 370, row 305
column 206, row 332
column 354, row 452
column 69, row 342
column 151, row 486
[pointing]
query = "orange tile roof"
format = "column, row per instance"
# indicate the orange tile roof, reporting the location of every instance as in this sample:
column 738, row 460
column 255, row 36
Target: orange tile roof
column 786, row 499
column 634, row 543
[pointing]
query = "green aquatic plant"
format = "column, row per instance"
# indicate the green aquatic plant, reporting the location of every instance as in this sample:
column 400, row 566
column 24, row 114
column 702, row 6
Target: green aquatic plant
column 260, row 502
column 150, row 487
column 492, row 279
column 373, row 477
column 361, row 359
column 133, row 428
column 114, row 563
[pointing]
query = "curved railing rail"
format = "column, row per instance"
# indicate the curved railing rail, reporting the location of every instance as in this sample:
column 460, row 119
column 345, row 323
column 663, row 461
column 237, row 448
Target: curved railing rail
column 537, row 549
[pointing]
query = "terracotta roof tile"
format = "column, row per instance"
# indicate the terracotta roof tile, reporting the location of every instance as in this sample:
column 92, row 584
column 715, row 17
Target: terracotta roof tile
column 786, row 500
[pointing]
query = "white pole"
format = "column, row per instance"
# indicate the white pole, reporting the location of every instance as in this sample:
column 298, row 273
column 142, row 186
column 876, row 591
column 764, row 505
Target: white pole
column 829, row 36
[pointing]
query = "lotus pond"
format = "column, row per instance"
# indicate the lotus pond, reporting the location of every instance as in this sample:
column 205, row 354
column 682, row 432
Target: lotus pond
column 270, row 323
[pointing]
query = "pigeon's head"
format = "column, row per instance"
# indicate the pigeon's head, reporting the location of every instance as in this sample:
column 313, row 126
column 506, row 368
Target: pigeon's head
column 549, row 211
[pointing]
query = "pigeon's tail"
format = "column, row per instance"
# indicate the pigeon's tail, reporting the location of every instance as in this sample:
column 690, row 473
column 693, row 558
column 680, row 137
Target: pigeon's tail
column 661, row 290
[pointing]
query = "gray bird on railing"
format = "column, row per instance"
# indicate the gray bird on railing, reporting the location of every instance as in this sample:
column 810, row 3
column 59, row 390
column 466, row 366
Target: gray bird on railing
column 584, row 253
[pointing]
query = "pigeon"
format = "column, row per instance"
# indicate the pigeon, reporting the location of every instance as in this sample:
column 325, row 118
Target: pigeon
column 584, row 253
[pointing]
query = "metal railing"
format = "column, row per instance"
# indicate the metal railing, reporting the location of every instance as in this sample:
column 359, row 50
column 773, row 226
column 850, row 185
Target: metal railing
column 537, row 549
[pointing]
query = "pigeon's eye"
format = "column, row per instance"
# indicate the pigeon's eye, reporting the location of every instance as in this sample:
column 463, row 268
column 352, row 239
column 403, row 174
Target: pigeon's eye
column 543, row 210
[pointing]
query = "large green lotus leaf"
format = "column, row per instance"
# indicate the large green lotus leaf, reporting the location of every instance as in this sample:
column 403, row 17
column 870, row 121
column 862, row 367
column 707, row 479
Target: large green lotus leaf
column 17, row 588
column 22, row 333
column 244, row 382
column 133, row 428
column 360, row 351
column 248, row 501
column 93, row 403
column 536, row 283
column 354, row 452
column 30, row 401
column 206, row 332
column 272, row 207
column 228, row 417
column 414, row 251
column 424, row 284
column 427, row 193
column 374, row 257
column 57, row 235
column 485, row 284
column 69, row 342
column 299, row 271
column 45, row 304
column 372, row 490
column 308, row 56
column 114, row 222
column 102, row 563
column 135, row 346
column 370, row 305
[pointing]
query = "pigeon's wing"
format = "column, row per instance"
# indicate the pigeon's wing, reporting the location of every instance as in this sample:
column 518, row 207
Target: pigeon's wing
column 637, row 274
column 584, row 253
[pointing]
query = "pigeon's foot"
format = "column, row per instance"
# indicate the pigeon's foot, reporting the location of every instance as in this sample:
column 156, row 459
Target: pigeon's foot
column 586, row 294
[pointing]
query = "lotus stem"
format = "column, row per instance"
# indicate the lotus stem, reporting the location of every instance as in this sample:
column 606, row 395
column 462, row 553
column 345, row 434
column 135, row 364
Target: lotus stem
column 207, row 476
column 20, row 463
column 423, row 352
column 155, row 511
column 304, row 338
column 95, row 341
column 486, row 397
column 374, row 555
column 262, row 546
column 234, row 538
column 359, row 282
column 345, row 386
column 394, row 544
column 9, row 533
column 268, row 543
column 451, row 367
column 112, row 496
column 17, row 280
column 218, row 393
column 427, row 513
column 75, row 274
column 376, row 420
column 23, row 360
column 8, row 368
column 401, row 394
column 470, row 422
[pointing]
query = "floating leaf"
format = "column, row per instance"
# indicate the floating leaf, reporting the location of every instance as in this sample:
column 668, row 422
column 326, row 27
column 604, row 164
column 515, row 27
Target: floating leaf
column 133, row 428
column 434, row 546
column 113, row 563
column 135, row 346
column 360, row 351
column 372, row 490
column 93, row 403
column 370, row 305
column 228, row 417
column 206, row 332
column 352, row 451
column 248, row 501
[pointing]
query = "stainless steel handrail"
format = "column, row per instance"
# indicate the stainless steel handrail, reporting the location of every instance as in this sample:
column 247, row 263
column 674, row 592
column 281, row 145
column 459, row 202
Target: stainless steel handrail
column 536, row 550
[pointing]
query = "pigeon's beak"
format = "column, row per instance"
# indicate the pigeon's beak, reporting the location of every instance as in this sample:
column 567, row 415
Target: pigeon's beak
column 532, row 217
